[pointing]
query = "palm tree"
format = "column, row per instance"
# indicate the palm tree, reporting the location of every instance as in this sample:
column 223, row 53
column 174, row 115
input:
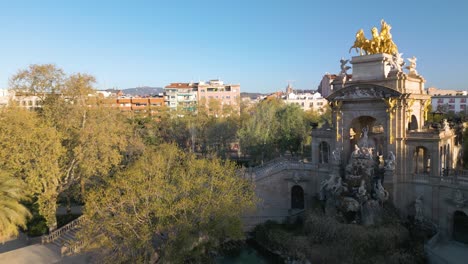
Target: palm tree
column 12, row 212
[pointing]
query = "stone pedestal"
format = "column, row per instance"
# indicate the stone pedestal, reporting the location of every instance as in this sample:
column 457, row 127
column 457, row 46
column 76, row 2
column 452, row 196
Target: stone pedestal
column 371, row 67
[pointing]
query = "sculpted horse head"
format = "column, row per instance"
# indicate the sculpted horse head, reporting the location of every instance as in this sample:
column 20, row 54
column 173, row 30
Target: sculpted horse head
column 360, row 43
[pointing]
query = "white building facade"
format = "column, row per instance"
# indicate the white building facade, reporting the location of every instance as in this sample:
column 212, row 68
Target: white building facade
column 307, row 101
column 447, row 103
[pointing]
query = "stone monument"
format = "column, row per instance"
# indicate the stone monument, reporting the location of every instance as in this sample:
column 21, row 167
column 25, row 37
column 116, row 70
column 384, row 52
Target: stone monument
column 387, row 153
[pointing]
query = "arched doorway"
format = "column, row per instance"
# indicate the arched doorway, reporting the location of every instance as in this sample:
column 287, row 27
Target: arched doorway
column 421, row 160
column 297, row 197
column 413, row 125
column 460, row 227
column 324, row 152
column 366, row 131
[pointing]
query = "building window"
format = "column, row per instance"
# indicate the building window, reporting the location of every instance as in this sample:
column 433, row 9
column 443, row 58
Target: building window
column 311, row 104
column 440, row 101
column 452, row 100
column 451, row 107
column 463, row 100
column 319, row 103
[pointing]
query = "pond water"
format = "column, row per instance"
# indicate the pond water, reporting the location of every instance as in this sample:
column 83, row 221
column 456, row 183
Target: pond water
column 249, row 253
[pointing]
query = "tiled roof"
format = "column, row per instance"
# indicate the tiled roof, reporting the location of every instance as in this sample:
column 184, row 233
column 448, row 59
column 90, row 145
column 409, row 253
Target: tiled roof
column 181, row 85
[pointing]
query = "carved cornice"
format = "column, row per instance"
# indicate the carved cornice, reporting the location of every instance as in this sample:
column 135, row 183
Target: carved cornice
column 363, row 92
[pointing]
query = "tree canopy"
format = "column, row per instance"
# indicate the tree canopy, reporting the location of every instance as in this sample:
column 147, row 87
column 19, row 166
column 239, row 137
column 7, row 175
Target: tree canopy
column 168, row 203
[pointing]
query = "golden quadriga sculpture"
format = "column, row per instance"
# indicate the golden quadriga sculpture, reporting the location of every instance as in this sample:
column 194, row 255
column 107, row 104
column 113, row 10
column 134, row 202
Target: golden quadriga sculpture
column 380, row 43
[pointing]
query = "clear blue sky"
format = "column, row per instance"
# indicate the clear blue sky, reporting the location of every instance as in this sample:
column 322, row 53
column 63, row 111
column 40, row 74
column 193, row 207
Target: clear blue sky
column 259, row 44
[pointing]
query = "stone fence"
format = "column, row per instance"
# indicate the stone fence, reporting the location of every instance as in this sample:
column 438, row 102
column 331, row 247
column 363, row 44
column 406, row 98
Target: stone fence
column 59, row 232
column 278, row 165
column 450, row 179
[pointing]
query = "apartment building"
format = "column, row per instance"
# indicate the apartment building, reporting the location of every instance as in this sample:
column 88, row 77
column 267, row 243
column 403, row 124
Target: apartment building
column 189, row 95
column 446, row 103
column 448, row 100
column 225, row 94
column 181, row 95
column 5, row 97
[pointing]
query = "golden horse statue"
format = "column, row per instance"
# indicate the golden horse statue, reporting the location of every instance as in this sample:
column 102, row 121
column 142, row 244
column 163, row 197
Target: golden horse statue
column 380, row 43
column 361, row 43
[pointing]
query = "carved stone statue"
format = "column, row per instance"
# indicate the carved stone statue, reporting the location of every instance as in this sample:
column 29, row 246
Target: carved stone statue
column 344, row 67
column 334, row 185
column 382, row 194
column 412, row 67
column 362, row 189
column 397, row 62
column 418, row 206
column 336, row 153
column 381, row 161
column 459, row 199
column 365, row 137
column 390, row 161
column 356, row 151
column 446, row 125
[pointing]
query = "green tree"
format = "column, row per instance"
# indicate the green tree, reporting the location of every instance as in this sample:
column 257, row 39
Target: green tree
column 12, row 212
column 38, row 79
column 221, row 133
column 92, row 139
column 258, row 132
column 31, row 150
column 292, row 128
column 168, row 203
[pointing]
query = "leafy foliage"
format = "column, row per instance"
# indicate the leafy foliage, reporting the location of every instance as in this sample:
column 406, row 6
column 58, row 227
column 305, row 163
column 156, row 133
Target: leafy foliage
column 31, row 150
column 12, row 212
column 168, row 202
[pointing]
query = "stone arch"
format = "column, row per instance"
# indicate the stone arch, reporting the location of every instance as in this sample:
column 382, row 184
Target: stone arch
column 413, row 124
column 324, row 152
column 421, row 160
column 373, row 135
column 297, row 197
column 460, row 227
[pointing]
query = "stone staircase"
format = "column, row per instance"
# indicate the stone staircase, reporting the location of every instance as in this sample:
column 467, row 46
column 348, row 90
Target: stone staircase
column 65, row 238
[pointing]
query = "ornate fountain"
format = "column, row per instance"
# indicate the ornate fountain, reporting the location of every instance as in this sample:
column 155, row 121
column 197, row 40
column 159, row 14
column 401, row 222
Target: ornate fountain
column 355, row 191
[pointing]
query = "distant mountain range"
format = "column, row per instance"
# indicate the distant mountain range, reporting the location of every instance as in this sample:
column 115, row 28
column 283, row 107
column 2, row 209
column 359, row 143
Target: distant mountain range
column 251, row 95
column 143, row 91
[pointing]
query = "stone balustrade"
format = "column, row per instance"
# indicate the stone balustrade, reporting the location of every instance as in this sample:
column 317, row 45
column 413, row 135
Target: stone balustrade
column 280, row 164
column 57, row 233
column 70, row 249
